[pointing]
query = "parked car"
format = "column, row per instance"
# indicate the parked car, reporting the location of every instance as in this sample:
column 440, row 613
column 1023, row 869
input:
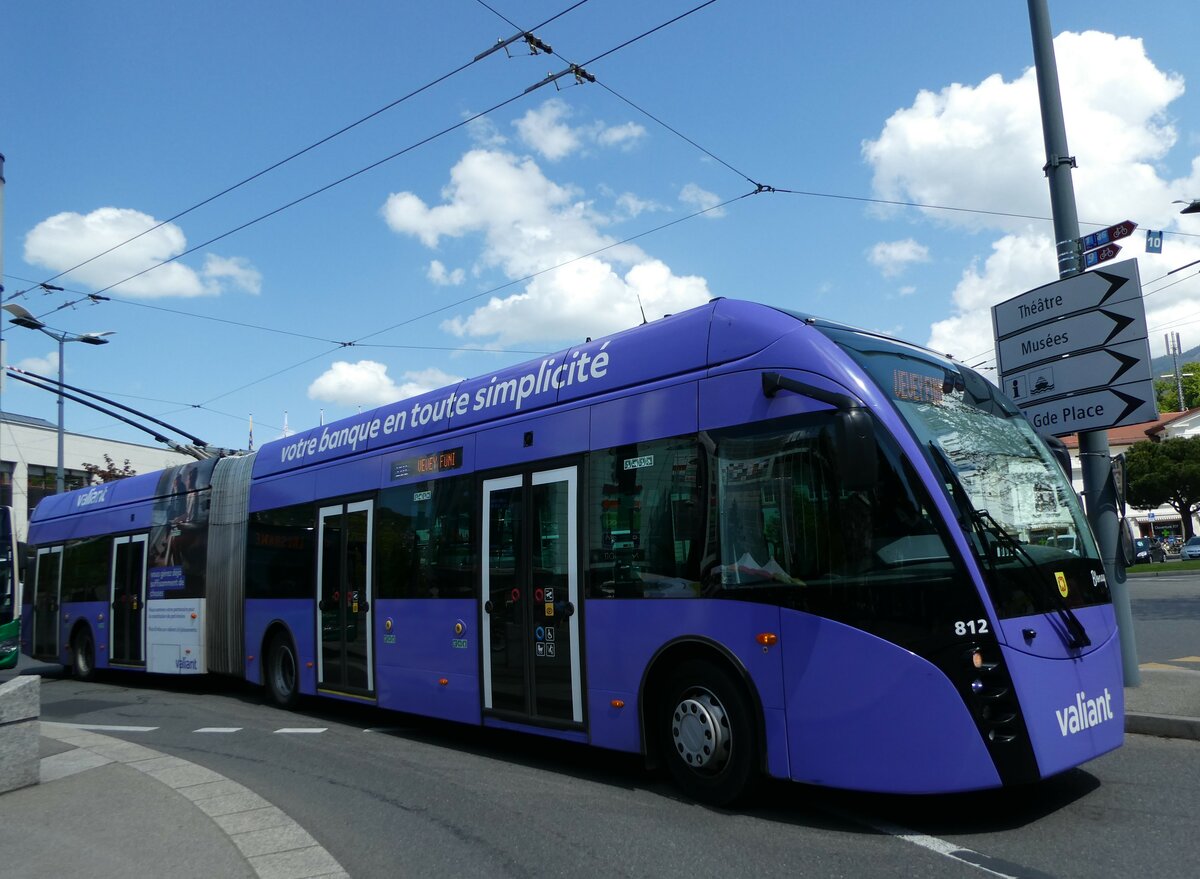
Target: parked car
column 1147, row 550
column 1191, row 549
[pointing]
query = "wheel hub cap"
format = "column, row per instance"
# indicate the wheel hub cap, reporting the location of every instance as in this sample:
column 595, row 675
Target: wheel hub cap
column 700, row 732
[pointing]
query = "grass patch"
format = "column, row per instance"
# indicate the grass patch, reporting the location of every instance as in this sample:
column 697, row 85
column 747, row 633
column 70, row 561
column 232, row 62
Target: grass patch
column 1170, row 567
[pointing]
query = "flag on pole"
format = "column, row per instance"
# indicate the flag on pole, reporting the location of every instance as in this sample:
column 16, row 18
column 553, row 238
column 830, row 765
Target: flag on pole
column 250, row 444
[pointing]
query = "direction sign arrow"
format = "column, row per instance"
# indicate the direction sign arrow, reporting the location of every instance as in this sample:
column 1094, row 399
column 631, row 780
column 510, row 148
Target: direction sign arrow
column 1102, row 254
column 1068, row 296
column 1131, row 403
column 1121, row 230
column 1118, row 322
column 1087, row 371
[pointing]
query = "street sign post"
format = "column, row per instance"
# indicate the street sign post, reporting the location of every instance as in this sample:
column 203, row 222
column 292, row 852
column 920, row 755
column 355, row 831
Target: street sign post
column 1073, row 355
column 1100, row 254
column 1069, row 296
column 1112, row 324
column 1095, row 410
column 1104, row 367
column 1106, row 236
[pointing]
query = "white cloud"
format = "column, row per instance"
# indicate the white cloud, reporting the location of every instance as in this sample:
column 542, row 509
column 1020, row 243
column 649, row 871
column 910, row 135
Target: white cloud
column 701, row 199
column 893, row 257
column 44, row 366
column 530, row 224
column 437, row 274
column 1017, row 263
column 542, row 129
column 545, row 130
column 622, row 136
column 980, row 146
column 483, row 133
column 67, row 239
column 907, row 290
column 367, row 383
column 236, row 269
column 630, row 206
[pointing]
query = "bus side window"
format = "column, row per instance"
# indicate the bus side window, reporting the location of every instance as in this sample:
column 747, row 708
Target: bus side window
column 645, row 518
column 424, row 539
column 281, row 553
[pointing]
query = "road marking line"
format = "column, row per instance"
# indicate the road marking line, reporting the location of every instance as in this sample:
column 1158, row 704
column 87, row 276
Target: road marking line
column 954, row 852
column 303, row 729
column 108, row 728
column 218, row 729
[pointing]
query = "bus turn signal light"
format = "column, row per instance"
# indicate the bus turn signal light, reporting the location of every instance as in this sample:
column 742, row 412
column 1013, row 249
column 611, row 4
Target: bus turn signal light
column 767, row 639
column 443, row 681
column 617, row 703
column 977, row 658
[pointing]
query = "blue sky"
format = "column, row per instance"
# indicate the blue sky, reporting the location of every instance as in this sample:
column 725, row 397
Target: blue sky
column 440, row 262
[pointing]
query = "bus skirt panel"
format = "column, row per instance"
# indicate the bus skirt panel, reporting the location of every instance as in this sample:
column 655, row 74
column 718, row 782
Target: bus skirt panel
column 866, row 714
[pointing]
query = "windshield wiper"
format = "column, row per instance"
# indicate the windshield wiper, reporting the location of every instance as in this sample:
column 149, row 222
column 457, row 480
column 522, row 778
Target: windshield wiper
column 992, row 533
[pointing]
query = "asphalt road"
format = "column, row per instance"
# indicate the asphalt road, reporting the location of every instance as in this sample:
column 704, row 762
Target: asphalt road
column 398, row 796
column 1166, row 614
column 390, row 795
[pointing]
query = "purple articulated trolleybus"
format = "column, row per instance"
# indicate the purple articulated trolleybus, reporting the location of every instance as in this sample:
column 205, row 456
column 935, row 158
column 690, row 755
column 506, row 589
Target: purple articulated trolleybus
column 738, row 540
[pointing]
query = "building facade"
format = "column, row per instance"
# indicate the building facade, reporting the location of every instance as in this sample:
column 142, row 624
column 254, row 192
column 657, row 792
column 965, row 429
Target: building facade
column 29, row 462
column 1163, row 521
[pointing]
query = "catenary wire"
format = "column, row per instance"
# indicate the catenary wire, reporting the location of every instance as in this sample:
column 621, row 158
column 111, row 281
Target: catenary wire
column 297, row 154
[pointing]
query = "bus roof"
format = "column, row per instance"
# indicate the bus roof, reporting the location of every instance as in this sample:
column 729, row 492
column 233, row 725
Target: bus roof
column 718, row 332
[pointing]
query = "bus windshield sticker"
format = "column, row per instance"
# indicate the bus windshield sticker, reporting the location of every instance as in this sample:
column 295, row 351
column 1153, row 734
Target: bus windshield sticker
column 638, row 463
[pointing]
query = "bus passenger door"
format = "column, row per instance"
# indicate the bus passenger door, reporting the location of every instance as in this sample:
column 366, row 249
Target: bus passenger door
column 46, row 595
column 530, row 629
column 345, row 663
column 127, row 639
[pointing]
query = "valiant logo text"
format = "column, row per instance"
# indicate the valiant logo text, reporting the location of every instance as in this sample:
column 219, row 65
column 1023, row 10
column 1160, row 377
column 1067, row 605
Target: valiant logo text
column 95, row 495
column 186, row 664
column 1085, row 713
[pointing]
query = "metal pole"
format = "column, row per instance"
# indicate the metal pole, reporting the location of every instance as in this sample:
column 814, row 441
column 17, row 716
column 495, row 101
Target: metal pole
column 1099, row 489
column 58, row 479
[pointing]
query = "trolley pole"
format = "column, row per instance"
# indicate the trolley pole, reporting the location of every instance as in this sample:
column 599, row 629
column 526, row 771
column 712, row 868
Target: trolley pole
column 1099, row 488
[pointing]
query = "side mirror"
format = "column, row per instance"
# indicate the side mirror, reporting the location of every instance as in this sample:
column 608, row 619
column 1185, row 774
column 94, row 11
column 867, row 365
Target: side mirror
column 1125, row 538
column 1120, row 480
column 1060, row 452
column 857, row 449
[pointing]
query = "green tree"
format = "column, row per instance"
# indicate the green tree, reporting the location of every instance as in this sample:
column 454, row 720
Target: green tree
column 1165, row 473
column 110, row 472
column 1168, row 394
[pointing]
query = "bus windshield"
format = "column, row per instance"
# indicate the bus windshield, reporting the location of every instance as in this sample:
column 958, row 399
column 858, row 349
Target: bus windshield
column 1014, row 501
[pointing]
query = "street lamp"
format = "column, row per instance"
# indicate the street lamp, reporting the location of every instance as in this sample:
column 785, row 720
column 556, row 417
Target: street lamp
column 23, row 318
column 1193, row 206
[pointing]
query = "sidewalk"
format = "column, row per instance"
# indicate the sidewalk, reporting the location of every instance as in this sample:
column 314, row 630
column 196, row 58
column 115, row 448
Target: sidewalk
column 107, row 808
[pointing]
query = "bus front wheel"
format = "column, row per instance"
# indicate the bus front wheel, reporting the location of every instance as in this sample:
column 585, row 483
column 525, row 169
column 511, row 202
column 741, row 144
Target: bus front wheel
column 83, row 654
column 707, row 733
column 283, row 677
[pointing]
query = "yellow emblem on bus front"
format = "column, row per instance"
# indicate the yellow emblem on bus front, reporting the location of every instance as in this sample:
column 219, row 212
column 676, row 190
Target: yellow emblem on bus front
column 1062, row 583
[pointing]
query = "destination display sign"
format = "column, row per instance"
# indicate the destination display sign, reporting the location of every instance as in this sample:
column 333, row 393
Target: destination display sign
column 1100, row 409
column 1077, row 293
column 1114, row 323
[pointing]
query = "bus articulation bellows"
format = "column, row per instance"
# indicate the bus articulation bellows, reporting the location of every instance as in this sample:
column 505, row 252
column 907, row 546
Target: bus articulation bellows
column 738, row 540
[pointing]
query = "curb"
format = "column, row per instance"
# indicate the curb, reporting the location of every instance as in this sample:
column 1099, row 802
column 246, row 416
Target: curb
column 1163, row 725
column 274, row 845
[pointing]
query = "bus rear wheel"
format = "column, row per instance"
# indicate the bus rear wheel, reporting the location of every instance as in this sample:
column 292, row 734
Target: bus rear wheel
column 83, row 654
column 282, row 672
column 707, row 734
